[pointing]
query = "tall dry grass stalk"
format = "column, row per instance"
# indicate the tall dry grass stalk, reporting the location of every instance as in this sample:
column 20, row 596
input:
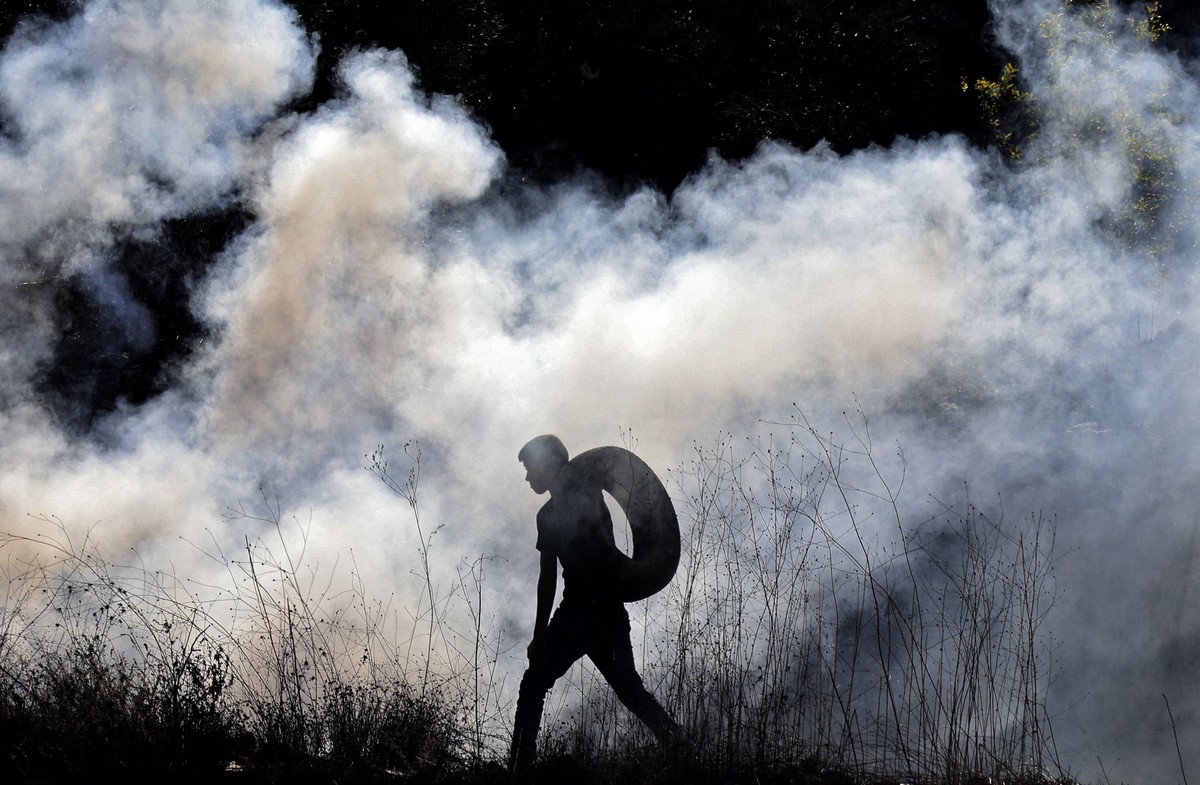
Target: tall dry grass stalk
column 812, row 623
column 281, row 665
column 815, row 623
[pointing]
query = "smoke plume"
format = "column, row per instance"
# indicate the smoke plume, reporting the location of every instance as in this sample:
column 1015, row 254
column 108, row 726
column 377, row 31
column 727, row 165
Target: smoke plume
column 398, row 282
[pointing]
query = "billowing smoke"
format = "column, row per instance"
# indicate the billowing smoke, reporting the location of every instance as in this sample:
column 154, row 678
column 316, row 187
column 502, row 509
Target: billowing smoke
column 987, row 315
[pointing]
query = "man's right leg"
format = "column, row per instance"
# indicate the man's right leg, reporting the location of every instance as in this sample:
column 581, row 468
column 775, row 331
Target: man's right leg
column 531, row 700
column 565, row 643
column 612, row 653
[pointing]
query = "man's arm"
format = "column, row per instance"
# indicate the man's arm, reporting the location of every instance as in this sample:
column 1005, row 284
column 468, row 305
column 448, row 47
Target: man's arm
column 547, row 585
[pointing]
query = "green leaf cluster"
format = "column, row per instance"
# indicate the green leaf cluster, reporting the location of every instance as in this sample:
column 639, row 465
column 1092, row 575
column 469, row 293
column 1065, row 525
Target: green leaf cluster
column 1144, row 136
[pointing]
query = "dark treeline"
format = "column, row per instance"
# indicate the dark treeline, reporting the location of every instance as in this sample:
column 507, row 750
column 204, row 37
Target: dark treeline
column 643, row 91
column 639, row 92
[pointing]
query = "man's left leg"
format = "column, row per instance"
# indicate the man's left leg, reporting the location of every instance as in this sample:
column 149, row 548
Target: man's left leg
column 612, row 653
column 565, row 642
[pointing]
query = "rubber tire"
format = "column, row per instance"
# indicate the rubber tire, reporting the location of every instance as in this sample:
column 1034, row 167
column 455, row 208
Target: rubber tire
column 651, row 515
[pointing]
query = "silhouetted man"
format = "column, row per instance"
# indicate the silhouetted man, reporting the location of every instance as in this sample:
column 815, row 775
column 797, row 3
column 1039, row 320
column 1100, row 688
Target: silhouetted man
column 575, row 528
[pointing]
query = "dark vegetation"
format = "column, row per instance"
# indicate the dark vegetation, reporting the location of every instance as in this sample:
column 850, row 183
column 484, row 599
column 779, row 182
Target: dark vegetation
column 126, row 345
column 817, row 632
column 642, row 91
column 636, row 92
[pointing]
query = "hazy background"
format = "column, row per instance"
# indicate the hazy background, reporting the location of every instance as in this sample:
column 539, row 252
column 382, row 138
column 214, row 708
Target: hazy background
column 394, row 278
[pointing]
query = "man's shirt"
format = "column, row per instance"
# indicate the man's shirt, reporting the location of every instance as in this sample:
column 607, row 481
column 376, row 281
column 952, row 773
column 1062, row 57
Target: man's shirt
column 575, row 526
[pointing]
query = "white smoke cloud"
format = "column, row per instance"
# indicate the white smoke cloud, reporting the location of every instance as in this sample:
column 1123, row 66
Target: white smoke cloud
column 331, row 311
column 127, row 114
column 980, row 310
column 132, row 112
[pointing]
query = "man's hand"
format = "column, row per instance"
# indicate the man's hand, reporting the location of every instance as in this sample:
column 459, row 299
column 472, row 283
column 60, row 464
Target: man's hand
column 547, row 585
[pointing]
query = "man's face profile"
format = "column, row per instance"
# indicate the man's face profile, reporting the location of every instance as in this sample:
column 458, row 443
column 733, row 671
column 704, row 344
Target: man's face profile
column 539, row 474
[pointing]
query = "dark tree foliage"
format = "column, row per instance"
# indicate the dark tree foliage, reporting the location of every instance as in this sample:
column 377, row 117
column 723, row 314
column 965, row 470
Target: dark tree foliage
column 640, row 92
column 107, row 354
column 1183, row 18
column 14, row 11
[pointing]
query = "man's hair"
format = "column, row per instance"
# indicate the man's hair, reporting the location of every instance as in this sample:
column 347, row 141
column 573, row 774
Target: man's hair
column 547, row 448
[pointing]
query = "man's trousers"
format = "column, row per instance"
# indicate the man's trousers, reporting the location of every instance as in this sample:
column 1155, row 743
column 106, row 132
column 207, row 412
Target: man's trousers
column 601, row 631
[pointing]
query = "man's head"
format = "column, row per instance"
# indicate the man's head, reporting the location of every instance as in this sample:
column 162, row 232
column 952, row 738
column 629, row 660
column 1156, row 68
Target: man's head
column 543, row 457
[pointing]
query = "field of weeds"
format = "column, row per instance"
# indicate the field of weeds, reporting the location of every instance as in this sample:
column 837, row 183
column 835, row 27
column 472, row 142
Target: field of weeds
column 813, row 634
